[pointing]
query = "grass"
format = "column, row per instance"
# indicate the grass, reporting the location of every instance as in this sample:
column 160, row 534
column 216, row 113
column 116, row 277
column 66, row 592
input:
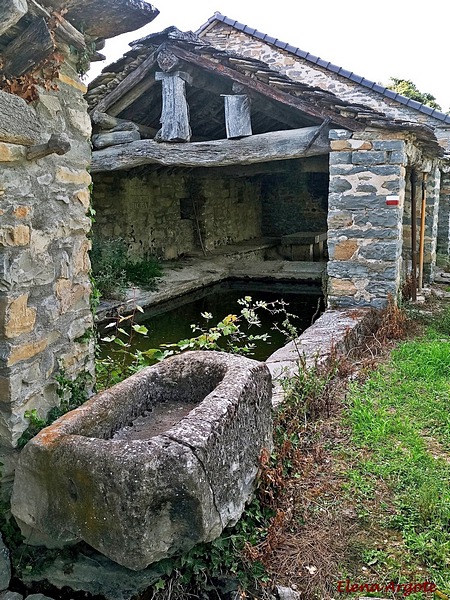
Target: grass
column 113, row 271
column 399, row 421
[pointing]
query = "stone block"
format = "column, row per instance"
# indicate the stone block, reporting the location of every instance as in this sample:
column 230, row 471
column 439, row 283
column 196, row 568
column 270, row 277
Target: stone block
column 21, row 212
column 11, row 152
column 71, row 176
column 341, row 287
column 7, row 595
column 15, row 236
column 339, row 184
column 339, row 134
column 339, row 218
column 20, row 318
column 388, row 145
column 369, row 158
column 383, row 251
column 26, row 351
column 350, row 145
column 344, row 250
column 149, row 468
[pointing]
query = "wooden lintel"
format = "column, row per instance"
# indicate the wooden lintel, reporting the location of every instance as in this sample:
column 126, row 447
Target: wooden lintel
column 266, row 89
column 126, row 86
column 265, row 147
column 28, row 49
column 11, row 11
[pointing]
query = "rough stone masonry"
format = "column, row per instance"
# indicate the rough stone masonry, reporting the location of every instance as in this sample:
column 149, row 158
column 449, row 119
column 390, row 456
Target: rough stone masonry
column 44, row 262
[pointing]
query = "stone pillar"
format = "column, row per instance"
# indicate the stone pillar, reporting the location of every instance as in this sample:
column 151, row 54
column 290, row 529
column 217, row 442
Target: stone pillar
column 431, row 223
column 45, row 315
column 366, row 195
column 443, row 239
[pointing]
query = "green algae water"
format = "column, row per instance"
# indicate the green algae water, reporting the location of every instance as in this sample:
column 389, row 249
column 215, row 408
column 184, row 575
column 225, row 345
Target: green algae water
column 171, row 321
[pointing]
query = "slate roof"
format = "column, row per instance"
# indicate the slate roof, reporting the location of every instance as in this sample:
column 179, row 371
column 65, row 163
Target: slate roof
column 326, row 65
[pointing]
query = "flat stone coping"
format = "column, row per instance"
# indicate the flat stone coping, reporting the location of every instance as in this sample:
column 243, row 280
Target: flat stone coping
column 336, row 331
column 195, row 274
column 304, row 237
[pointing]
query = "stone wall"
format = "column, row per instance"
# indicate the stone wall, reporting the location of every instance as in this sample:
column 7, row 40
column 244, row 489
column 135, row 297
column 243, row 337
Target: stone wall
column 155, row 213
column 227, row 37
column 44, row 263
column 367, row 189
column 443, row 240
column 295, row 200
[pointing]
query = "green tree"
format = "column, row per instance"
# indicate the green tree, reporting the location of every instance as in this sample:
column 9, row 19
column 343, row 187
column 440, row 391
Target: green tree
column 409, row 89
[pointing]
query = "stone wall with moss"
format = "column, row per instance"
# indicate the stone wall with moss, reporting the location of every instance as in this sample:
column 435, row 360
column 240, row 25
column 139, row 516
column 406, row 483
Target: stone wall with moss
column 44, row 262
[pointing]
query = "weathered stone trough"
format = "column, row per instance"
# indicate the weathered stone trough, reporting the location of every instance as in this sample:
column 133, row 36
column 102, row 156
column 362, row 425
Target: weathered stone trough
column 149, row 468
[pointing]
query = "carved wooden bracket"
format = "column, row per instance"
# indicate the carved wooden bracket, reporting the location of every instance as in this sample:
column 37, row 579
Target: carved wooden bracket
column 57, row 144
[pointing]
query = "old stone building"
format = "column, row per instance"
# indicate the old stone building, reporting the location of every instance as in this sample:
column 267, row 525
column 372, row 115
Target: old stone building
column 45, row 130
column 272, row 145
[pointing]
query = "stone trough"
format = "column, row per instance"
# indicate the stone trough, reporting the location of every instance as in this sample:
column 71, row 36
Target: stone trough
column 149, row 468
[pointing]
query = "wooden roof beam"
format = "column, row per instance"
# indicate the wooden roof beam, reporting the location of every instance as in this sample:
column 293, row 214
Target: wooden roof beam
column 265, row 89
column 127, row 91
column 273, row 146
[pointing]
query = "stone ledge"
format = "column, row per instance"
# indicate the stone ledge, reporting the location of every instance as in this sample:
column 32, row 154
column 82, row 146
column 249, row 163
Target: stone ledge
column 336, row 331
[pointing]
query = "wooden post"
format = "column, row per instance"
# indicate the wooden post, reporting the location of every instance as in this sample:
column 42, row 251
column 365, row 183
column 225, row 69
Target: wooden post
column 413, row 237
column 175, row 111
column 237, row 116
column 422, row 229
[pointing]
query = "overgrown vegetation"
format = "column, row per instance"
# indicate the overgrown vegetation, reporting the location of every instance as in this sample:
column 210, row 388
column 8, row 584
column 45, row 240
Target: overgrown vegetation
column 113, row 272
column 232, row 334
column 72, row 394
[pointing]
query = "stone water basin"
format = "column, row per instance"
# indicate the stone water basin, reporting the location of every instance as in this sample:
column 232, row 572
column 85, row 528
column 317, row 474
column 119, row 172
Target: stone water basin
column 152, row 466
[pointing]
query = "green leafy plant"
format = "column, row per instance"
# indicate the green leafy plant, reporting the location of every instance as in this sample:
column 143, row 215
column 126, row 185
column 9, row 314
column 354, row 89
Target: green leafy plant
column 231, row 334
column 113, row 272
column 72, row 394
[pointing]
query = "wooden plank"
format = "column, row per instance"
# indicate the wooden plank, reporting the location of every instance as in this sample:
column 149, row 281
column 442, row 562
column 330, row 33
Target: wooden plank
column 273, row 146
column 126, row 86
column 175, row 111
column 18, row 122
column 266, row 90
column 64, row 31
column 237, row 116
column 104, row 140
column 28, row 49
column 11, row 11
column 105, row 121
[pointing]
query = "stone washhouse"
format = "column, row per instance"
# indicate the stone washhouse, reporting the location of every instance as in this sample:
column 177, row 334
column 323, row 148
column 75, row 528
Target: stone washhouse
column 223, row 140
column 229, row 138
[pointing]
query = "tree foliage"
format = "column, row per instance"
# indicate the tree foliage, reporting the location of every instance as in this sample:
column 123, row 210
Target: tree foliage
column 409, row 89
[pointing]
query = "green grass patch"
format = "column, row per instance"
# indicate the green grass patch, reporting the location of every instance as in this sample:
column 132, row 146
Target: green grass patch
column 400, row 425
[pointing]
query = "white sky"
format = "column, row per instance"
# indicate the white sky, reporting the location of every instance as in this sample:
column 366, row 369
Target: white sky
column 378, row 39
